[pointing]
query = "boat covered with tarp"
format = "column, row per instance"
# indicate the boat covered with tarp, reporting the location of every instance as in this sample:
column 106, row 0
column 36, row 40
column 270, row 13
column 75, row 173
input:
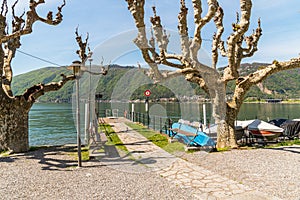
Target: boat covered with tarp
column 291, row 129
column 264, row 129
column 255, row 127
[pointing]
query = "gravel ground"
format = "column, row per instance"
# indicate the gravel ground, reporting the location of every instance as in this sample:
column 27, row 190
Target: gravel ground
column 274, row 171
column 51, row 174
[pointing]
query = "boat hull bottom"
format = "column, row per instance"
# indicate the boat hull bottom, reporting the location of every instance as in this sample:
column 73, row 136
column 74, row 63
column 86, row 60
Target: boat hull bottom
column 269, row 135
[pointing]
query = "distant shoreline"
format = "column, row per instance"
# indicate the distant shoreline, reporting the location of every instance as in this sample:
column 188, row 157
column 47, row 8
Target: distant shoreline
column 171, row 101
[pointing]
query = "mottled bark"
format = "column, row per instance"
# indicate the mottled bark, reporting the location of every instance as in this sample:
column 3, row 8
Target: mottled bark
column 14, row 124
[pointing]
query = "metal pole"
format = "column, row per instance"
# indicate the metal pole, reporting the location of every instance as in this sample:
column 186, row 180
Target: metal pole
column 204, row 116
column 132, row 112
column 147, row 110
column 88, row 108
column 78, row 122
column 87, row 124
column 98, row 109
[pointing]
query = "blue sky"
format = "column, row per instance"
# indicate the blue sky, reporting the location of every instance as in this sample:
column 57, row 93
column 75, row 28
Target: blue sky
column 111, row 29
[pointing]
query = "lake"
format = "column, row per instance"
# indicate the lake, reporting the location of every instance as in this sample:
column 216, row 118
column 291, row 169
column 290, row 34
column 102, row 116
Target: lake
column 53, row 124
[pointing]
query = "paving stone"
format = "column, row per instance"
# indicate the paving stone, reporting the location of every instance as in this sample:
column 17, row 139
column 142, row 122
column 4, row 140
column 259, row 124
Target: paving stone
column 210, row 186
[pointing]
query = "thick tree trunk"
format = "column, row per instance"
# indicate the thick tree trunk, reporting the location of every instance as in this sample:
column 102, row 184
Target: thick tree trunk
column 14, row 125
column 226, row 132
column 225, row 117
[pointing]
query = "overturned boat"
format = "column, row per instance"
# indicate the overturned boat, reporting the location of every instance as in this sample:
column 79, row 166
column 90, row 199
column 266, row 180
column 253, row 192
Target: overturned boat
column 190, row 133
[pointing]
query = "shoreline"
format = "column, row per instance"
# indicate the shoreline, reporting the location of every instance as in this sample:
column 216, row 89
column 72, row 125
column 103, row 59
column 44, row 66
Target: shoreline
column 203, row 102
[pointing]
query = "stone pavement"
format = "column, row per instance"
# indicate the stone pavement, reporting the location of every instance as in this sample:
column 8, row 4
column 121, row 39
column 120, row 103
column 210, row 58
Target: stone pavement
column 145, row 156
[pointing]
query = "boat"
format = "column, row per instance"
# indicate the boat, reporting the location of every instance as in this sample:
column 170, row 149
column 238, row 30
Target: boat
column 190, row 133
column 264, row 129
column 240, row 127
column 278, row 122
column 291, row 129
column 255, row 127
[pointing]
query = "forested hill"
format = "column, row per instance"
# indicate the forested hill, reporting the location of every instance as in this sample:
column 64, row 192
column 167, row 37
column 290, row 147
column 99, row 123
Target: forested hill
column 284, row 84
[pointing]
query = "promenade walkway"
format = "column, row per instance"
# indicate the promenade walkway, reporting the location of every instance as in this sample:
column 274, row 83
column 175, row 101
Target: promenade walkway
column 145, row 156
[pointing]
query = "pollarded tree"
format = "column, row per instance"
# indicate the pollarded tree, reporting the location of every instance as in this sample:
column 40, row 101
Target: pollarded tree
column 14, row 109
column 237, row 47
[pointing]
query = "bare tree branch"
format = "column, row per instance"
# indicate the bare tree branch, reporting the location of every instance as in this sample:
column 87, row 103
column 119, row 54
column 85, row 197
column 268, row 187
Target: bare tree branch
column 234, row 42
column 199, row 24
column 159, row 33
column 31, row 18
column 183, row 30
column 243, row 84
column 136, row 7
column 261, row 74
column 38, row 90
column 10, row 48
column 4, row 8
column 252, row 42
column 190, row 74
column 11, row 41
column 217, row 42
column 82, row 46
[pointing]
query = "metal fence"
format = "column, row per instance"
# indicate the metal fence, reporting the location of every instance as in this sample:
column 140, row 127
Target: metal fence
column 158, row 123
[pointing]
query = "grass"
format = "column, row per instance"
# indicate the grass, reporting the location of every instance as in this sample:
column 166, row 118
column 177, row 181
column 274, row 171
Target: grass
column 4, row 153
column 85, row 156
column 157, row 138
column 284, row 143
column 223, row 149
column 113, row 137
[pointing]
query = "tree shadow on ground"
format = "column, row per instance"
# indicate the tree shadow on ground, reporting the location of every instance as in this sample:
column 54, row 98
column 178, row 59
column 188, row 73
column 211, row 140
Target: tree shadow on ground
column 54, row 157
column 113, row 156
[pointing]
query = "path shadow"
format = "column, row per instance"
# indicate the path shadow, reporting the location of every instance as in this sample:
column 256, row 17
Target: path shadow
column 292, row 149
column 7, row 159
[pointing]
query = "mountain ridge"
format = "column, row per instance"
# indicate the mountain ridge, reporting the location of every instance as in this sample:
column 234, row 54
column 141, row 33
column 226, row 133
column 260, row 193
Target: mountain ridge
column 284, row 84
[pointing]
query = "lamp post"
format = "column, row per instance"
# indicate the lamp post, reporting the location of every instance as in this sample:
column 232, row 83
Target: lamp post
column 76, row 65
column 78, row 69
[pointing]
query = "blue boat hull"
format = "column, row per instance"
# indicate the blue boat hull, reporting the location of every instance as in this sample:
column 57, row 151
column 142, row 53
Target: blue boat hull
column 200, row 138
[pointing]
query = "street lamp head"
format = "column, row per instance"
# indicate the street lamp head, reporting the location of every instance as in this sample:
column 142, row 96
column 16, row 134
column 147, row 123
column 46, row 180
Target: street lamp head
column 90, row 54
column 76, row 65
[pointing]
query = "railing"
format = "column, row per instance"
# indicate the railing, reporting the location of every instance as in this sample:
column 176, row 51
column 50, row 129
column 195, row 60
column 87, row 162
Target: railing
column 158, row 123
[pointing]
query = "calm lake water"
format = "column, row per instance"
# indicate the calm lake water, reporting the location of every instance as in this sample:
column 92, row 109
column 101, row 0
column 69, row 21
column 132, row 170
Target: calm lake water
column 53, row 124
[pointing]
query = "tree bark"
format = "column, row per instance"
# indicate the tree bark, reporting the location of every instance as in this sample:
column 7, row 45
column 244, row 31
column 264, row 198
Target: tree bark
column 14, row 124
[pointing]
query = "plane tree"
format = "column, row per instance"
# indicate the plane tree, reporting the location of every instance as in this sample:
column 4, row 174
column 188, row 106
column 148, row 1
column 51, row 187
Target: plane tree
column 14, row 109
column 238, row 46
